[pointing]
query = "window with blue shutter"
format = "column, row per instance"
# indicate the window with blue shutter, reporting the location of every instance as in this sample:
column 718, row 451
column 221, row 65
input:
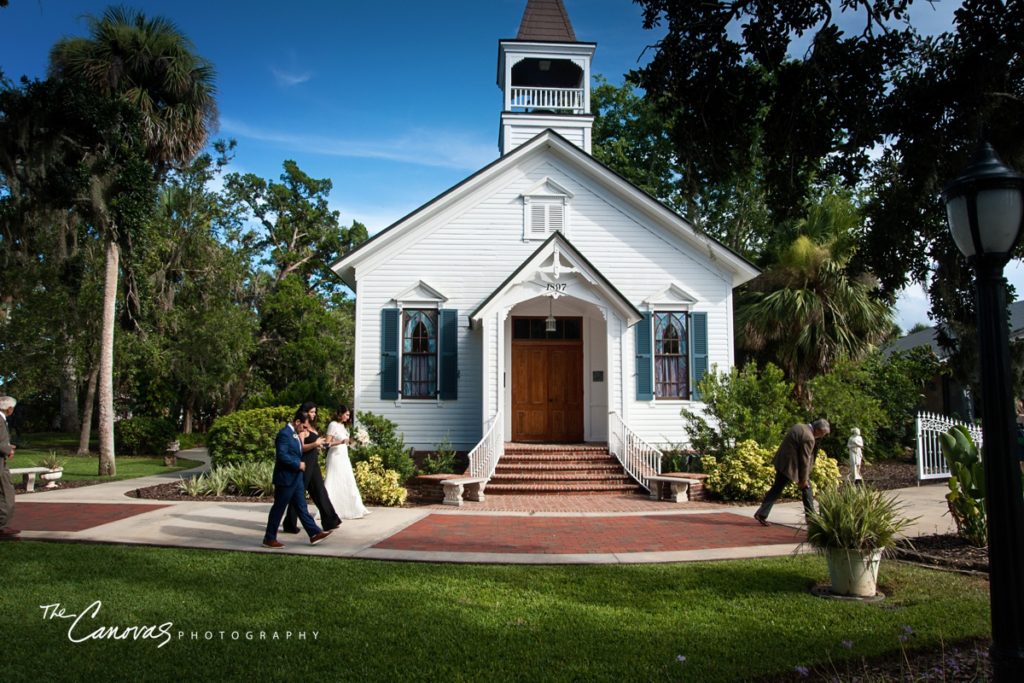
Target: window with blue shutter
column 671, row 360
column 449, row 377
column 419, row 353
column 389, row 354
column 698, row 349
column 644, row 364
column 680, row 355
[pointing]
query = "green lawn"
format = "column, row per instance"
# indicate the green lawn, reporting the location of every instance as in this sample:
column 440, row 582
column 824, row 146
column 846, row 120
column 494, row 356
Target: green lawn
column 731, row 621
column 33, row 447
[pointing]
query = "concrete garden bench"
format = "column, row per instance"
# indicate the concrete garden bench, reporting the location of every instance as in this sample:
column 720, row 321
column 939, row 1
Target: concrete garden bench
column 679, row 487
column 473, row 486
column 29, row 475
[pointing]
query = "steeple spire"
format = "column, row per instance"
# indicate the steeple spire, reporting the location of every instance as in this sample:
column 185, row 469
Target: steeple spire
column 546, row 20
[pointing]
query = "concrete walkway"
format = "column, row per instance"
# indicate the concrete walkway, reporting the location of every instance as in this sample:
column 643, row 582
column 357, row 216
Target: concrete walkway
column 103, row 513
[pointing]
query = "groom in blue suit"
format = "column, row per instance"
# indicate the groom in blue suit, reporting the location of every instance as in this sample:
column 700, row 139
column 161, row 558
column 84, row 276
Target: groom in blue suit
column 288, row 483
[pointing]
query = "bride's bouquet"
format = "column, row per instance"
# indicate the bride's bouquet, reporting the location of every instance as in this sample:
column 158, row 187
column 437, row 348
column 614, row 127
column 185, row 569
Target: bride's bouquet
column 360, row 437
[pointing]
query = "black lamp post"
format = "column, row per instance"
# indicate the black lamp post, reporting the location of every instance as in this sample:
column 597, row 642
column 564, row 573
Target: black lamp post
column 985, row 206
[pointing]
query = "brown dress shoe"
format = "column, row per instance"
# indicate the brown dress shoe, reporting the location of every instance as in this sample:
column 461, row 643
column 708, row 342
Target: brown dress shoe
column 9, row 530
column 275, row 544
column 9, row 535
column 313, row 540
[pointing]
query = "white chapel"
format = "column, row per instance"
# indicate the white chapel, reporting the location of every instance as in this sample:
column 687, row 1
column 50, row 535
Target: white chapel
column 544, row 299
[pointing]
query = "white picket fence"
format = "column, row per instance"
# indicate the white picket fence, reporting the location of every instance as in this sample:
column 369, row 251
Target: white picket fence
column 931, row 463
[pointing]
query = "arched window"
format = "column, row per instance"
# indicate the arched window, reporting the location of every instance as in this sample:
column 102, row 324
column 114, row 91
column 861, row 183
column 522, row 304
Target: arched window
column 419, row 353
column 671, row 360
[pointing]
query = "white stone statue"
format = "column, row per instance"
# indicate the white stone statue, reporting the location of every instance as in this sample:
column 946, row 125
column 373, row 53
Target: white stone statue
column 855, row 447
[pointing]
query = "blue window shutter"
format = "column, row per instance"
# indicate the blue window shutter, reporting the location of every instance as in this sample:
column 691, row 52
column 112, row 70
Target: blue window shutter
column 698, row 350
column 448, row 376
column 644, row 361
column 389, row 353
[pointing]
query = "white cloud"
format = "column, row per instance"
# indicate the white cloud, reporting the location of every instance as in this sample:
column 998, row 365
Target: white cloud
column 912, row 307
column 421, row 147
column 912, row 303
column 289, row 79
column 375, row 217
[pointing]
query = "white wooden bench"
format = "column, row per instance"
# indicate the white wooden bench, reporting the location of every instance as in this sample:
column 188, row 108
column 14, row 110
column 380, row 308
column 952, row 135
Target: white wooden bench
column 29, row 475
column 679, row 487
column 473, row 487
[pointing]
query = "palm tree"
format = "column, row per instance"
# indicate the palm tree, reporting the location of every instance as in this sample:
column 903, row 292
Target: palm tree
column 152, row 66
column 806, row 312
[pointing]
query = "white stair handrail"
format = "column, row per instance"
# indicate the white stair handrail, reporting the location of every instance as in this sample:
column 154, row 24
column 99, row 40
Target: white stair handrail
column 639, row 458
column 485, row 455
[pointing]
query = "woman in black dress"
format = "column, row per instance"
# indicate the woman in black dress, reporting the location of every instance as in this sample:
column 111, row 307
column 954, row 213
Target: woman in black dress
column 314, row 480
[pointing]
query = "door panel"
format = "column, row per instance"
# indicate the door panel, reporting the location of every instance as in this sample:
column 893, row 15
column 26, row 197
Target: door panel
column 547, row 392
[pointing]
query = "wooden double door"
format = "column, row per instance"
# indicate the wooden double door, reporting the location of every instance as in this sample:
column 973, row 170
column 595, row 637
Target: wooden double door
column 547, row 391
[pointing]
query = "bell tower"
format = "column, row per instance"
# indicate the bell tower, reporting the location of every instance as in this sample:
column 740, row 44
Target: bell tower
column 544, row 76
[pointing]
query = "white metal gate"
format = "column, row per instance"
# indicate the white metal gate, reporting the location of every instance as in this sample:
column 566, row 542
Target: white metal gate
column 931, row 464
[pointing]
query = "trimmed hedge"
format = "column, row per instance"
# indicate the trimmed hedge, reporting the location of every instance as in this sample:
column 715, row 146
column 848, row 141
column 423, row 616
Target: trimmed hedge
column 144, row 435
column 246, row 435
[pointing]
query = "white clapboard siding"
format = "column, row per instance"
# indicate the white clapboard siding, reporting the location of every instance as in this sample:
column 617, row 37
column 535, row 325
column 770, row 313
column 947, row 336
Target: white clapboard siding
column 467, row 255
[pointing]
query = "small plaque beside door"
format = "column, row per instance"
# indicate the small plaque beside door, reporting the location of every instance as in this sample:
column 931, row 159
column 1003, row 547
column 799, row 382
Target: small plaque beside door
column 598, row 375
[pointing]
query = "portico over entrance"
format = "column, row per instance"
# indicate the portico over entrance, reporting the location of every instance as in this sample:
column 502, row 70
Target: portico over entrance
column 552, row 344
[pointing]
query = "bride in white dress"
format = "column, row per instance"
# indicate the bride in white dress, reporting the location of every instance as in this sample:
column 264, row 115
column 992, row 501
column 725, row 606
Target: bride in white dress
column 341, row 482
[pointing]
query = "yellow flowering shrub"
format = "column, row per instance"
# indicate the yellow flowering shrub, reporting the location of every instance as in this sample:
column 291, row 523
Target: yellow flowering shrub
column 379, row 486
column 748, row 473
column 745, row 475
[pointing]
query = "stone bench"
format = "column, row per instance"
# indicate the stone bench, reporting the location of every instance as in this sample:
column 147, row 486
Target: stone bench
column 473, row 487
column 679, row 487
column 29, row 474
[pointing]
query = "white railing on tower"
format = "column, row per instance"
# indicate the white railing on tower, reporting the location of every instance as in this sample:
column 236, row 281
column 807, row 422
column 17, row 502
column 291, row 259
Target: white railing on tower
column 931, row 463
column 639, row 458
column 485, row 455
column 559, row 99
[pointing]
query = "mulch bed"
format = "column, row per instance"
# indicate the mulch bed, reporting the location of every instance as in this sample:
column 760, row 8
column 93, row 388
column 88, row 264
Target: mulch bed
column 947, row 551
column 960, row 663
column 172, row 491
column 19, row 487
column 886, row 474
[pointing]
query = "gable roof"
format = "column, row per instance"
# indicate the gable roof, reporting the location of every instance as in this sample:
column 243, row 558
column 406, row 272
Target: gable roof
column 551, row 143
column 930, row 335
column 546, row 20
column 558, row 241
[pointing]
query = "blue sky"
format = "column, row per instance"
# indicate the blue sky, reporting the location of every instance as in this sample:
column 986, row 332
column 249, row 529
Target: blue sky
column 394, row 102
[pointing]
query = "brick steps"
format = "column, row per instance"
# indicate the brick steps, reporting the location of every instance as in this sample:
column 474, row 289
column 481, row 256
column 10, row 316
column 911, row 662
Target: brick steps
column 557, row 469
column 559, row 489
column 544, row 468
column 567, row 475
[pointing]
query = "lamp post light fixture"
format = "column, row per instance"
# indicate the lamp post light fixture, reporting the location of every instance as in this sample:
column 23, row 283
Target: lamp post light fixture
column 985, row 209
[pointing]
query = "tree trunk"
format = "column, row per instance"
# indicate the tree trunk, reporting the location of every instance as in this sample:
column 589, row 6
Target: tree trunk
column 186, row 427
column 106, row 379
column 90, row 400
column 69, row 397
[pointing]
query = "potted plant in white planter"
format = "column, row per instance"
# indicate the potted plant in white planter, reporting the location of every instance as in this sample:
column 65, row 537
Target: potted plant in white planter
column 56, row 467
column 853, row 526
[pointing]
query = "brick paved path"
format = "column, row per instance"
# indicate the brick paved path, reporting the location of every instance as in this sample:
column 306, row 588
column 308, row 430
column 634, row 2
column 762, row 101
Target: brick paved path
column 572, row 503
column 73, row 516
column 569, row 535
